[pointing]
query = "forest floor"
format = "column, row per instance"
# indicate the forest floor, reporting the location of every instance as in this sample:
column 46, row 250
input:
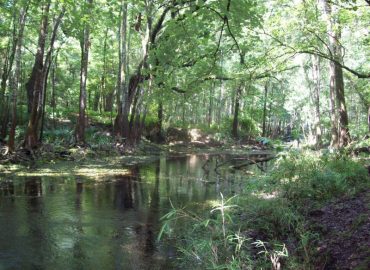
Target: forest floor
column 344, row 226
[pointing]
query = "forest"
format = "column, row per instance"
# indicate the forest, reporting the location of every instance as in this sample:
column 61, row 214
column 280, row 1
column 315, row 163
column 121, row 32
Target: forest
column 185, row 134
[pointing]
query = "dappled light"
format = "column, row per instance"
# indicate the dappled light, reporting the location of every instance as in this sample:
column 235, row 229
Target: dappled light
column 184, row 134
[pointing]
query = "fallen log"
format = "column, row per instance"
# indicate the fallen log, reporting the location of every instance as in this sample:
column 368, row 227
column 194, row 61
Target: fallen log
column 254, row 162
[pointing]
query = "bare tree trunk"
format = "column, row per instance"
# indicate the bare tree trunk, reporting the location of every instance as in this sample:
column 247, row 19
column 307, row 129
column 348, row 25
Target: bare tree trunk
column 99, row 92
column 368, row 118
column 344, row 135
column 8, row 66
column 236, row 112
column 122, row 122
column 316, row 95
column 16, row 77
column 8, row 63
column 35, row 83
column 210, row 108
column 264, row 111
column 160, row 121
column 45, row 74
column 333, row 112
column 85, row 46
column 5, row 118
column 53, row 88
column 336, row 83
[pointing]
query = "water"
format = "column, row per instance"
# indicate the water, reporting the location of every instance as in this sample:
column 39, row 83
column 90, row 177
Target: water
column 76, row 223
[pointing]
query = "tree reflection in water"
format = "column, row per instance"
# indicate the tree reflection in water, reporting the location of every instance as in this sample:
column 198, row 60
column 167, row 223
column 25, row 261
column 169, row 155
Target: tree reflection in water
column 76, row 223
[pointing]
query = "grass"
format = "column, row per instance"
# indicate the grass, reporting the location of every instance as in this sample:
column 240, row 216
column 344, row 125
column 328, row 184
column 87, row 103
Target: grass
column 266, row 232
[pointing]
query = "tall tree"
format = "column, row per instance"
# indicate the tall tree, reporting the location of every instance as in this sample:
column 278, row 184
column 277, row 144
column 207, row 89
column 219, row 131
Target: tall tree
column 7, row 69
column 46, row 69
column 35, row 85
column 264, row 116
column 16, row 75
column 85, row 46
column 316, row 94
column 122, row 124
column 342, row 137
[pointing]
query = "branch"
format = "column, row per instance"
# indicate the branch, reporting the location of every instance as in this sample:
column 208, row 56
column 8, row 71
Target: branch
column 178, row 90
column 354, row 72
column 220, row 78
column 158, row 25
column 226, row 20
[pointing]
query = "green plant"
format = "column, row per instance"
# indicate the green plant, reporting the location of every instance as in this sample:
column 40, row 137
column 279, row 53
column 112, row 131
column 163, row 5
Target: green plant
column 275, row 254
column 308, row 176
column 58, row 136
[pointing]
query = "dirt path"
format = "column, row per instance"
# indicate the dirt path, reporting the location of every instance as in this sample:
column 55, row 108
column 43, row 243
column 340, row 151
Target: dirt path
column 345, row 233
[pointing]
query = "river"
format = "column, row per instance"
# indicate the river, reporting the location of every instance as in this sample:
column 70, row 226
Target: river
column 50, row 222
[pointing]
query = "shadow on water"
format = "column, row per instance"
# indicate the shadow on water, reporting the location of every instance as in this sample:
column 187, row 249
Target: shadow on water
column 75, row 223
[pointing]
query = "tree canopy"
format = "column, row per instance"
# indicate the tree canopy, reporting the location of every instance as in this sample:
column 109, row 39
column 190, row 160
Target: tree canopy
column 247, row 68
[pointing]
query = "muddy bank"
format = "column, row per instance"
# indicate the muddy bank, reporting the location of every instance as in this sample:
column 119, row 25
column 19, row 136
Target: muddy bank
column 344, row 229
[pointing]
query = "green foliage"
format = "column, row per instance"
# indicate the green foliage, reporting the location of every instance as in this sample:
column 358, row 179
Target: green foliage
column 58, row 136
column 100, row 117
column 308, row 176
column 248, row 126
column 216, row 240
column 151, row 122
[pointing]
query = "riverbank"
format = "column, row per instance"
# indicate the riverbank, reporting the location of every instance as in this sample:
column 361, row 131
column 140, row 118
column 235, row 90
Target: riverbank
column 310, row 211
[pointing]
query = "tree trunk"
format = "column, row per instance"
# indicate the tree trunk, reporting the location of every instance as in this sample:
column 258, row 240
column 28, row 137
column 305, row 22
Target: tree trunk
column 85, row 46
column 336, row 82
column 149, row 37
column 264, row 111
column 16, row 77
column 5, row 118
column 333, row 111
column 121, row 122
column 368, row 118
column 236, row 112
column 4, row 102
column 317, row 89
column 160, row 121
column 45, row 73
column 35, row 83
column 53, row 88
column 210, row 109
column 344, row 135
column 99, row 92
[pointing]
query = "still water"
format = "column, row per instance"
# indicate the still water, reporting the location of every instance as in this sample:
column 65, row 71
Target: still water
column 76, row 223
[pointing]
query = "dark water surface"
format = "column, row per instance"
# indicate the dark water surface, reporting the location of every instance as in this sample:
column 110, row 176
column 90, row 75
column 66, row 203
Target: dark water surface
column 75, row 223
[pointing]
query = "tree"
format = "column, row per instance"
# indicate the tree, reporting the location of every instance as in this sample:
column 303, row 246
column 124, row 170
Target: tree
column 16, row 75
column 35, row 82
column 85, row 46
column 336, row 80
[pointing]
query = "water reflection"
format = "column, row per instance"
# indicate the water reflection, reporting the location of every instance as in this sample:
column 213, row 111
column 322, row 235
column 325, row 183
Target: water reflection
column 7, row 188
column 75, row 223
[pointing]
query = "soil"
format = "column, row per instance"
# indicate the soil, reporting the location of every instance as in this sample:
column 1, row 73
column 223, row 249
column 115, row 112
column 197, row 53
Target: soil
column 344, row 228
